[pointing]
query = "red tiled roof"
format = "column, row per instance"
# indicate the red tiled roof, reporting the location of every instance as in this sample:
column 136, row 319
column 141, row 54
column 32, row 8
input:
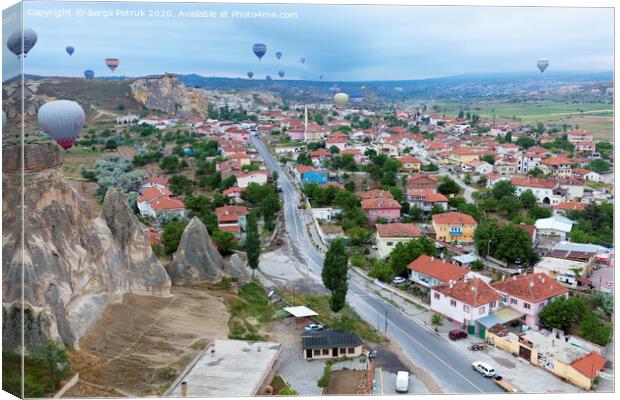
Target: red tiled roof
column 532, row 287
column 398, row 230
column 302, row 169
column 474, row 292
column 590, row 365
column 429, row 195
column 375, row 194
column 230, row 228
column 381, row 203
column 167, row 203
column 534, row 182
column 437, row 268
column 560, row 160
column 320, row 152
column 156, row 179
column 570, row 206
column 152, row 193
column 454, row 218
column 334, row 184
column 409, row 160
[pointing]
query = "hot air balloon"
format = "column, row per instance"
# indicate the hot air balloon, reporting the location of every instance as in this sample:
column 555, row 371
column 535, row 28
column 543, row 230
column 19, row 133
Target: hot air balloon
column 321, row 77
column 303, row 60
column 89, row 74
column 62, row 120
column 112, row 63
column 542, row 64
column 250, row 74
column 281, row 73
column 341, row 99
column 279, row 54
column 70, row 50
column 259, row 49
column 14, row 43
column 268, row 78
column 4, row 120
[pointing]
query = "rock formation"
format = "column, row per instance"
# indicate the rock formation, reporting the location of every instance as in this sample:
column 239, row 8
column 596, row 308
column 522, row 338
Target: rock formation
column 238, row 269
column 166, row 93
column 197, row 258
column 74, row 262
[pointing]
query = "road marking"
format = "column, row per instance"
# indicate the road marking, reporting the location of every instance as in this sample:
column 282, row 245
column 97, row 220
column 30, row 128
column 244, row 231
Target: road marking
column 428, row 350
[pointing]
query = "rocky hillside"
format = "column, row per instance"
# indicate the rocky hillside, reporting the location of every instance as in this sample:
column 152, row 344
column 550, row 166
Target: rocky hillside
column 165, row 93
column 74, row 262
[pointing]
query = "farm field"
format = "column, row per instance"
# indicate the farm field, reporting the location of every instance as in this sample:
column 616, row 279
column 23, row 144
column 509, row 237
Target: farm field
column 597, row 117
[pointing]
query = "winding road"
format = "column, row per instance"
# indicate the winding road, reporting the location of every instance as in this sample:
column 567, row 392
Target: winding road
column 422, row 346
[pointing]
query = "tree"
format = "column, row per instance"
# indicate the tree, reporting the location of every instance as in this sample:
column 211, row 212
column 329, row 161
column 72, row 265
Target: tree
column 252, row 242
column 488, row 158
column 172, row 235
column 510, row 204
column 226, row 242
column 334, row 274
column 448, row 186
column 535, row 172
column 599, row 165
column 381, row 270
column 525, row 142
column 358, row 235
column 170, row 163
column 405, row 252
column 486, row 236
column 594, row 330
column 482, row 181
column 513, row 243
column 503, row 188
column 559, row 314
column 181, row 185
column 528, row 199
column 304, row 159
column 538, row 212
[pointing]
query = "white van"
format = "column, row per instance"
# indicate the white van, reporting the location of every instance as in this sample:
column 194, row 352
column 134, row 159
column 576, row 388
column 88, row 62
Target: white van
column 402, row 382
column 484, row 368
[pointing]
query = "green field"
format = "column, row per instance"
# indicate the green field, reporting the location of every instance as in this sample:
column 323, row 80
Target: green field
column 597, row 117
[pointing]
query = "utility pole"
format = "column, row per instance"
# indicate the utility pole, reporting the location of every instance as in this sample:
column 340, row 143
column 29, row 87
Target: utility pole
column 386, row 322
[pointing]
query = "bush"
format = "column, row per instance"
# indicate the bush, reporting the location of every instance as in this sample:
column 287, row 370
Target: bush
column 382, row 271
column 324, row 379
column 436, row 320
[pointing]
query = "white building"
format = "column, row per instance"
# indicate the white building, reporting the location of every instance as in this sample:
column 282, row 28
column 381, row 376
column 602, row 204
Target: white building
column 464, row 301
column 325, row 213
column 554, row 226
column 543, row 189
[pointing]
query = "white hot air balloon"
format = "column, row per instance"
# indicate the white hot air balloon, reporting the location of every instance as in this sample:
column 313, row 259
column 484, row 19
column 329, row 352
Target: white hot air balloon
column 62, row 120
column 341, row 99
column 542, row 64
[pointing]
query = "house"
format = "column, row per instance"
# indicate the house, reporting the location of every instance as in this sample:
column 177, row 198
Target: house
column 340, row 140
column 357, row 155
column 478, row 167
column 579, row 136
column 232, row 219
column 238, row 134
column 150, row 202
column 375, row 208
column 428, row 271
column 426, row 199
column 454, row 226
column 585, row 175
column 312, row 175
column 422, row 181
column 585, row 147
column 296, row 134
column 242, row 158
column 542, row 188
column 564, row 356
column 563, row 270
column 554, row 226
column 563, row 208
column 233, row 193
column 330, row 344
column 375, row 194
column 319, row 156
column 168, row 206
column 409, row 163
column 529, row 293
column 325, row 213
column 464, row 301
column 245, row 178
column 462, row 155
column 506, row 166
column 556, row 167
column 155, row 181
column 389, row 235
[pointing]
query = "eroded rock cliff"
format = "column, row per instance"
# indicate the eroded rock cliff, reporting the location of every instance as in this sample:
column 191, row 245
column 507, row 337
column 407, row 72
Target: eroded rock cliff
column 74, row 262
column 166, row 93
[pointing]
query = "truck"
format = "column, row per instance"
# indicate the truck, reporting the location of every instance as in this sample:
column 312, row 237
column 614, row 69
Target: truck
column 402, row 382
column 504, row 384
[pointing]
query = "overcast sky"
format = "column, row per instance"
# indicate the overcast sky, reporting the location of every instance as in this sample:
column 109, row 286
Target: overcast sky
column 339, row 42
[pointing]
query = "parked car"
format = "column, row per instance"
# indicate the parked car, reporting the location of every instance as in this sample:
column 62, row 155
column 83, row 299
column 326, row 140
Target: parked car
column 457, row 334
column 402, row 382
column 313, row 327
column 485, row 369
column 398, row 280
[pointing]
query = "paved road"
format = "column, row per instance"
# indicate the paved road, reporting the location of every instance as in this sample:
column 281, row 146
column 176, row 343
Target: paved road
column 419, row 344
column 443, row 170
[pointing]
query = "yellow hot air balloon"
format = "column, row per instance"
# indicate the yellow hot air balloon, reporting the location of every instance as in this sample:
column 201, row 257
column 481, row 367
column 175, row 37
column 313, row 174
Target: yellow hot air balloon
column 341, row 99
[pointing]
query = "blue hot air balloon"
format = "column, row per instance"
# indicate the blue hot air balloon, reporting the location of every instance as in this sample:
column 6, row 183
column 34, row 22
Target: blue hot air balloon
column 321, row 77
column 250, row 74
column 70, row 50
column 89, row 74
column 268, row 78
column 281, row 73
column 62, row 120
column 279, row 54
column 303, row 60
column 259, row 49
column 18, row 46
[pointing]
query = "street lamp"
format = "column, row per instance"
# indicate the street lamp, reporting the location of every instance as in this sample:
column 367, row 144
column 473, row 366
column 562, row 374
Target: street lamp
column 489, row 248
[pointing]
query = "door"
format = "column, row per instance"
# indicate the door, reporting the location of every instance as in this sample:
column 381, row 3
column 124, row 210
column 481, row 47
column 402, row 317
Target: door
column 335, row 352
column 526, row 353
column 482, row 332
column 308, row 353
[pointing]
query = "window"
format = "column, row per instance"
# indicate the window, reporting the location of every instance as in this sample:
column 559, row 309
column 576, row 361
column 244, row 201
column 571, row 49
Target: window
column 526, row 306
column 317, row 352
column 514, row 301
column 481, row 310
column 351, row 350
column 465, row 308
column 436, row 295
column 342, row 351
column 390, row 243
column 504, row 298
column 453, row 303
column 325, row 352
column 493, row 304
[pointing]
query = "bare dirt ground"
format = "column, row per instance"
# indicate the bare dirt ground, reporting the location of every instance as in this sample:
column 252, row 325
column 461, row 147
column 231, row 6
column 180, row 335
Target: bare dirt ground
column 139, row 346
column 126, row 152
column 345, row 382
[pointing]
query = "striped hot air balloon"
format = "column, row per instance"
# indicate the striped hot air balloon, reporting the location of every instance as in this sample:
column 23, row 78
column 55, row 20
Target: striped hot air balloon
column 259, row 50
column 112, row 63
column 62, row 120
column 18, row 46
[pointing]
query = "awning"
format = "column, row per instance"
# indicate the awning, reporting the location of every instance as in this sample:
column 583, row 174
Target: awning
column 300, row 311
column 489, row 321
column 508, row 315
